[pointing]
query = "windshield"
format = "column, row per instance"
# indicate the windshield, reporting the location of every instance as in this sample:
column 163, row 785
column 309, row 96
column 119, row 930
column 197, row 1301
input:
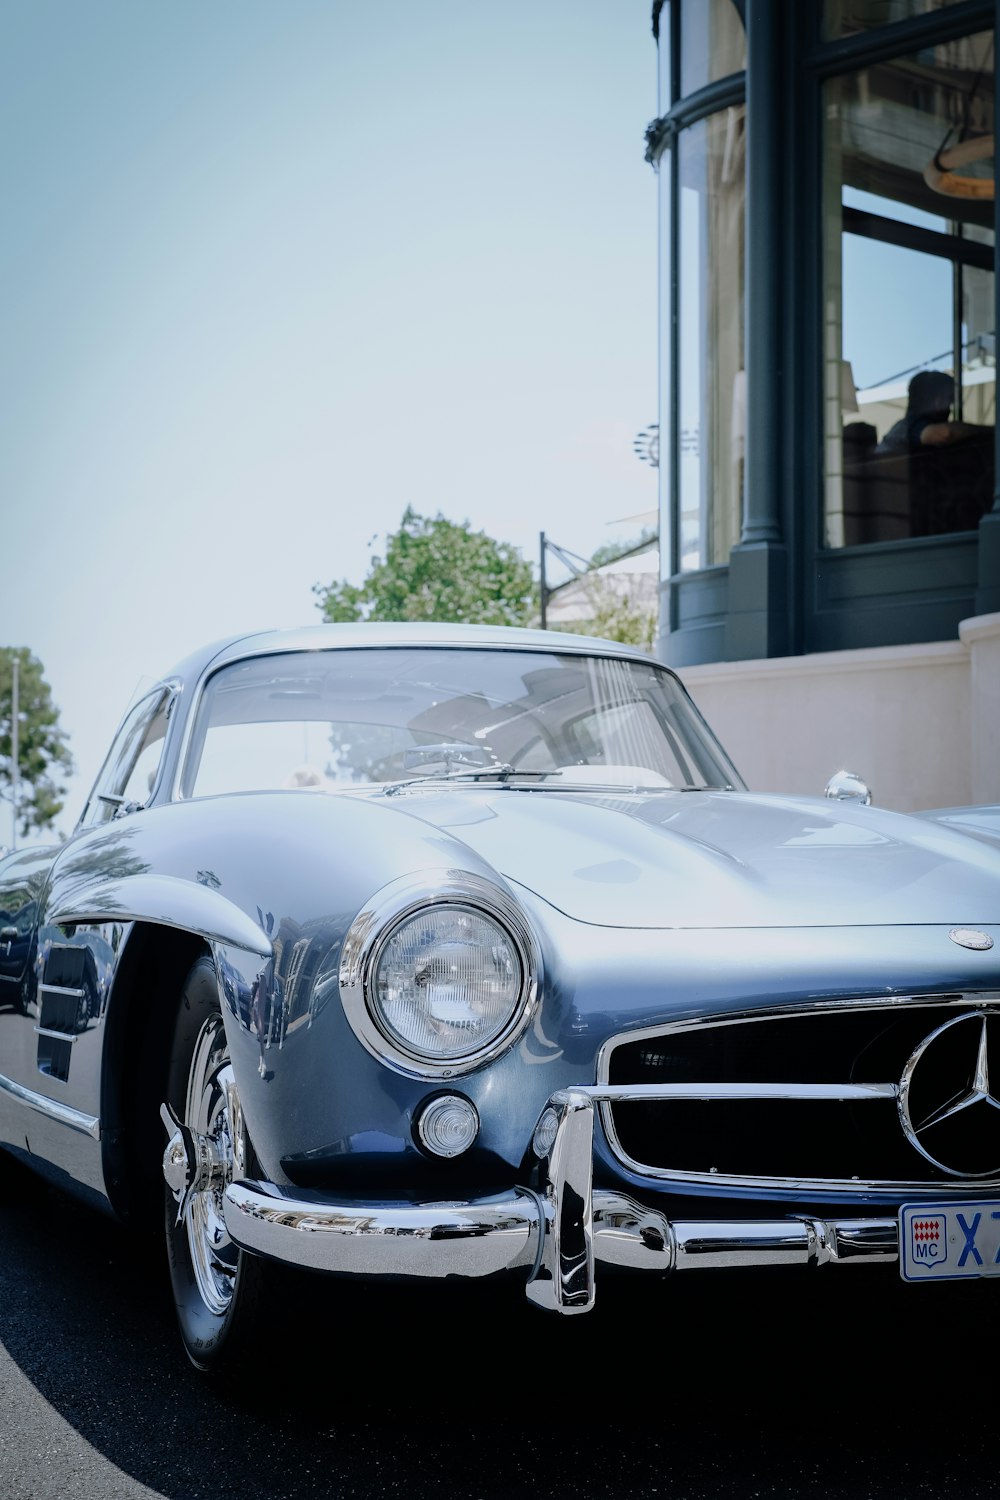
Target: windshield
column 332, row 720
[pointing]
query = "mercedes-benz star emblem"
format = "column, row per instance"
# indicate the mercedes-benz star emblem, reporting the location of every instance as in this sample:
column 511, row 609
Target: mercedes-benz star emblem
column 948, row 1111
column 971, row 937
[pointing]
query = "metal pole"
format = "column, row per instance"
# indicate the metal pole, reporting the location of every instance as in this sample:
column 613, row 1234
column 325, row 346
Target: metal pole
column 957, row 358
column 14, row 710
column 542, row 589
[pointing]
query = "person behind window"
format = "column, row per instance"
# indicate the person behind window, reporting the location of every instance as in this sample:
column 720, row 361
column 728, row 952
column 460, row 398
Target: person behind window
column 926, row 423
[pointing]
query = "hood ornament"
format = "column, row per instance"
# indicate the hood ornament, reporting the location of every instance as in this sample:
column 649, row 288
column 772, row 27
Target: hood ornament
column 848, row 786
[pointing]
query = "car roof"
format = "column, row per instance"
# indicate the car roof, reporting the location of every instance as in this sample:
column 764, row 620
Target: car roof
column 407, row 633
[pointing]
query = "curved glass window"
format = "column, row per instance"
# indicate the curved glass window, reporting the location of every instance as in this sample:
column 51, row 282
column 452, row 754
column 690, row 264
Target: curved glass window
column 711, row 398
column 330, row 721
column 702, row 383
column 664, row 74
column 909, row 339
column 129, row 772
column 668, row 563
column 713, row 43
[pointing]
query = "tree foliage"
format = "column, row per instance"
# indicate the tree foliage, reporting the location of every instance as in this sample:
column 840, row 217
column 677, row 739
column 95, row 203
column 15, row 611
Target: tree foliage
column 621, row 617
column 43, row 756
column 610, row 552
column 436, row 569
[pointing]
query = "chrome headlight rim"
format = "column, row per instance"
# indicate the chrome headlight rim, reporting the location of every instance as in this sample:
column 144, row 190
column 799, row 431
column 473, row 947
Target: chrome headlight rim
column 375, row 924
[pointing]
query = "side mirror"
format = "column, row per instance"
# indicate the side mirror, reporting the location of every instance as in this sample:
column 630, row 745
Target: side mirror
column 845, row 786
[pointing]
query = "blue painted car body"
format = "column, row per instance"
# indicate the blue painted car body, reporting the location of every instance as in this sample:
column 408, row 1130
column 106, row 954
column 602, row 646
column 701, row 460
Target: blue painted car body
column 664, row 920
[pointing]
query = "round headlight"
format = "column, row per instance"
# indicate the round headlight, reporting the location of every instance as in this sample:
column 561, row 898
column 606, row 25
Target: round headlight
column 446, row 982
column 439, row 974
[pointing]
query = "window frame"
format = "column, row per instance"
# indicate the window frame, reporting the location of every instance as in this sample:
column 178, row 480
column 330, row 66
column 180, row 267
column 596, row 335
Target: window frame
column 140, row 716
column 799, row 595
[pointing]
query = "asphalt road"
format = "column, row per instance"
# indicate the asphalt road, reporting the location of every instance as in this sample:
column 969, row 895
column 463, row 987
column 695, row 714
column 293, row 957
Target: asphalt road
column 846, row 1384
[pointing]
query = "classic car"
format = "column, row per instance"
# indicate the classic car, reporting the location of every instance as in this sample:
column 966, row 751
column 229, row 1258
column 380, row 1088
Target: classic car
column 425, row 951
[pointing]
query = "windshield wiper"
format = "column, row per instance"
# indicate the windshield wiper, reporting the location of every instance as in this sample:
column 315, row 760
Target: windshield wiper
column 501, row 772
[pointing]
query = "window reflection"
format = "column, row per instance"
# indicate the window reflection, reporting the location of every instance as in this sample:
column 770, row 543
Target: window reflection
column 713, row 43
column 663, row 70
column 847, row 17
column 668, row 563
column 909, row 338
column 366, row 717
column 129, row 772
column 711, row 394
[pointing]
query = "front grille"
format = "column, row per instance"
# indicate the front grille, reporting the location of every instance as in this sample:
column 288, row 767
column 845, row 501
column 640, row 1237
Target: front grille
column 816, row 1142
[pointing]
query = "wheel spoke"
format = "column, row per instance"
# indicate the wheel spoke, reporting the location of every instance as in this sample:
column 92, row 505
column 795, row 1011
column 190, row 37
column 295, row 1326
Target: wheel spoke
column 211, row 1102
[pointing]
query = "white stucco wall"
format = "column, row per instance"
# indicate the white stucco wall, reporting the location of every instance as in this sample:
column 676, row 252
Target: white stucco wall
column 981, row 637
column 920, row 724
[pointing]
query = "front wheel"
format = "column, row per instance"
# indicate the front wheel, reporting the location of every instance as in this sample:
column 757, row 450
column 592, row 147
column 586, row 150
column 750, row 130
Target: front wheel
column 217, row 1287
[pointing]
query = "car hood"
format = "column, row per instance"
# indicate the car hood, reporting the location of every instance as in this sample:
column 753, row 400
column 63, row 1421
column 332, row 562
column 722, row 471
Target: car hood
column 720, row 859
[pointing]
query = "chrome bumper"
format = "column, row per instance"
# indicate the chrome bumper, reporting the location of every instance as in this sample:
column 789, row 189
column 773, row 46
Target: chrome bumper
column 554, row 1232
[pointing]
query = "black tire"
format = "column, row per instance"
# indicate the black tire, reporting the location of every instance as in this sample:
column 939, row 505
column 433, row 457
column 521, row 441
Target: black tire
column 217, row 1287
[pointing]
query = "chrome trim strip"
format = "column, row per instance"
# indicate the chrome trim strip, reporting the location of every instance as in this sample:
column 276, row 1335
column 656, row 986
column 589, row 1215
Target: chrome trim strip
column 473, row 1239
column 485, row 1237
column 555, row 1232
column 631, row 1236
column 707, row 1244
column 62, row 989
column 796, row 1010
column 60, row 1036
column 636, row 1093
column 62, row 1113
column 606, row 1092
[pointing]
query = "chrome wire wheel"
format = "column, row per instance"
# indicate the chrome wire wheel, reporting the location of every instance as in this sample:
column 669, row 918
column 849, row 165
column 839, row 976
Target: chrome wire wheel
column 207, row 1113
column 217, row 1287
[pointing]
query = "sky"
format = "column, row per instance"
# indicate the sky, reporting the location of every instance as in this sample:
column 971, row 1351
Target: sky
column 273, row 272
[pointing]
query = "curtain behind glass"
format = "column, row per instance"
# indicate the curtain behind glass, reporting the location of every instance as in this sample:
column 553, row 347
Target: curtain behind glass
column 712, row 394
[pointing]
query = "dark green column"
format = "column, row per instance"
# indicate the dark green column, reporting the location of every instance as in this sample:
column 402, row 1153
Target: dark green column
column 757, row 622
column 988, row 592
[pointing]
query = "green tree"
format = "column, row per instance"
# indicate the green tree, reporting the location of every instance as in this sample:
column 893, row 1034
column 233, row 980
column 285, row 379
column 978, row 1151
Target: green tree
column 620, row 617
column 436, row 569
column 43, row 757
column 611, row 551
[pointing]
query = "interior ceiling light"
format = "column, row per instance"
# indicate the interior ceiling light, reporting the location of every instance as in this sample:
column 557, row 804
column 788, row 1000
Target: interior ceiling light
column 943, row 172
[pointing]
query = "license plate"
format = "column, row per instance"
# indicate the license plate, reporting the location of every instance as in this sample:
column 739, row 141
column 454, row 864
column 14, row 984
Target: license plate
column 949, row 1241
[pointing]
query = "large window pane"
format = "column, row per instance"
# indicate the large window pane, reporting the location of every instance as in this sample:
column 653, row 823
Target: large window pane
column 846, row 17
column 713, row 43
column 668, row 562
column 909, row 336
column 330, row 721
column 711, row 394
column 663, row 78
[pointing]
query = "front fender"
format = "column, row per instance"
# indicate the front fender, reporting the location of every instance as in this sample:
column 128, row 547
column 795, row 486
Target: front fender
column 165, row 901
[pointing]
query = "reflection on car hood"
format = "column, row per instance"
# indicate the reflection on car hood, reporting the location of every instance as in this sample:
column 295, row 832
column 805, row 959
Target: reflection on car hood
column 721, row 859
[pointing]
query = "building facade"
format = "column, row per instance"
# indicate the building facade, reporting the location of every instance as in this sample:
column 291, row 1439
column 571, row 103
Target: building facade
column 830, row 518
